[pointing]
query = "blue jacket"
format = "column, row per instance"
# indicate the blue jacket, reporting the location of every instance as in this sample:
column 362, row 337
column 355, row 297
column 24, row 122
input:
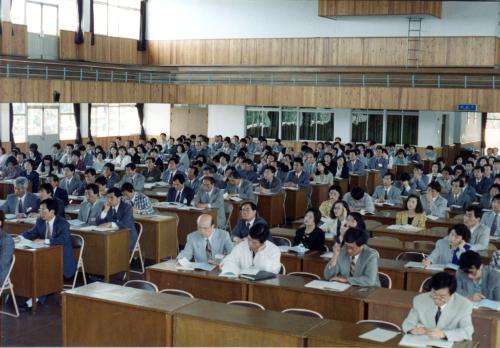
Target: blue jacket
column 482, row 187
column 378, row 163
column 60, row 236
column 6, row 252
column 62, row 194
column 31, row 204
column 302, row 181
column 241, row 230
column 186, row 196
column 124, row 218
column 34, row 178
column 357, row 167
column 249, row 175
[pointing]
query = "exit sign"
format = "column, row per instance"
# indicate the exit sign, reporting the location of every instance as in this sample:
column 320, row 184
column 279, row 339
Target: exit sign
column 467, row 107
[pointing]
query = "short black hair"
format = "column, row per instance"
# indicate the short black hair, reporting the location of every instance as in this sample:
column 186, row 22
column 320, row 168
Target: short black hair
column 110, row 166
column 316, row 213
column 50, row 204
column 461, row 230
column 70, row 166
column 435, row 186
column 418, row 209
column 468, row 260
column 127, row 186
column 391, row 174
column 53, row 177
column 131, row 165
column 252, row 205
column 47, row 187
column 478, row 213
column 209, row 178
column 260, row 232
column 335, row 188
column 299, row 161
column 101, row 180
column 91, row 171
column 92, row 187
column 271, row 168
column 405, row 177
column 357, row 193
column 443, row 280
column 356, row 235
column 115, row 190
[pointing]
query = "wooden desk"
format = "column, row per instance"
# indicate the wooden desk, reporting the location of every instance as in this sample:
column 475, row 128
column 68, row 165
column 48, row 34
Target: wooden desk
column 319, row 194
column 158, row 193
column 103, row 314
column 415, row 277
column 6, row 188
column 212, row 324
column 187, row 219
column 400, row 169
column 394, row 305
column 343, row 183
column 17, row 227
column 356, row 180
column 159, row 237
column 105, row 253
column 270, row 208
column 289, row 292
column 205, row 285
column 38, row 272
column 409, row 236
column 373, row 179
column 235, row 214
column 295, row 203
column 387, row 215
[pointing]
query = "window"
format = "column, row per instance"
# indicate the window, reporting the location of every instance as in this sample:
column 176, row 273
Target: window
column 262, row 122
column 114, row 119
column 367, row 125
column 402, row 127
column 45, row 16
column 289, row 124
column 316, row 125
column 67, row 125
column 119, row 18
column 19, row 122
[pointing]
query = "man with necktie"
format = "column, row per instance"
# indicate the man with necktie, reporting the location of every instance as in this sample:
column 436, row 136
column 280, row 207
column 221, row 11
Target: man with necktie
column 490, row 218
column 249, row 217
column 92, row 206
column 21, row 202
column 179, row 192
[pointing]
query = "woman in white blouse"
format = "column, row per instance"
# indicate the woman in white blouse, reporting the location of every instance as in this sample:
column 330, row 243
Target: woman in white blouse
column 338, row 218
column 122, row 159
column 323, row 175
column 254, row 253
column 99, row 161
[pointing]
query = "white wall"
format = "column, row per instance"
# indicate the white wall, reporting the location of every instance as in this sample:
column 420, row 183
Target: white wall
column 429, row 128
column 219, row 19
column 343, row 124
column 470, row 127
column 157, row 119
column 4, row 122
column 227, row 120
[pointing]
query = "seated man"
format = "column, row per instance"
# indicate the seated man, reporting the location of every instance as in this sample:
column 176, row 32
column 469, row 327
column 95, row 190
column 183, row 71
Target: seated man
column 255, row 252
column 92, row 206
column 90, row 176
column 46, row 193
column 6, row 250
column 419, row 179
column 406, row 186
column 490, row 218
column 269, row 182
column 480, row 234
column 449, row 249
column 487, row 199
column 31, row 174
column 239, row 187
column 209, row 196
column 108, row 172
column 21, row 202
column 192, row 179
column 172, row 170
column 140, row 203
column 71, row 182
column 54, row 230
column 207, row 244
column 152, row 173
column 248, row 171
column 249, row 217
column 479, row 182
column 433, row 203
column 355, row 263
column 456, row 197
column 58, row 191
column 297, row 177
column 477, row 281
column 118, row 214
column 358, row 200
column 440, row 313
column 387, row 193
column 354, row 164
column 179, row 192
column 131, row 176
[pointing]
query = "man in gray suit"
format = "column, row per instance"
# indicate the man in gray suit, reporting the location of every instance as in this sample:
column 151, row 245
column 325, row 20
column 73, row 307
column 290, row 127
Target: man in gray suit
column 21, row 202
column 477, row 281
column 209, row 196
column 480, row 234
column 355, row 263
column 71, row 182
column 91, row 208
column 239, row 187
column 433, row 203
column 132, row 177
column 6, row 250
column 269, row 183
column 456, row 197
column 491, row 219
column 441, row 313
column 208, row 243
column 387, row 193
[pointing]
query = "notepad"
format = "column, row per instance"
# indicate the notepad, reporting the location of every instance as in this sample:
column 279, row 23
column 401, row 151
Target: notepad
column 432, row 266
column 328, row 254
column 423, row 341
column 97, row 228
column 379, row 335
column 325, row 285
column 76, row 222
column 406, row 227
column 236, row 199
column 432, row 217
column 291, row 188
column 489, row 304
column 185, row 265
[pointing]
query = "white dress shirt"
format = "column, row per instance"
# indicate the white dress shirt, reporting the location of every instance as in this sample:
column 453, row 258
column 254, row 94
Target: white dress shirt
column 241, row 258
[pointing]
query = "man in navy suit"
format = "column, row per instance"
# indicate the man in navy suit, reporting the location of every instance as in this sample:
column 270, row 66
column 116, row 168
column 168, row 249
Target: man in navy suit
column 21, row 202
column 59, row 192
column 479, row 182
column 297, row 177
column 179, row 192
column 117, row 213
column 54, row 230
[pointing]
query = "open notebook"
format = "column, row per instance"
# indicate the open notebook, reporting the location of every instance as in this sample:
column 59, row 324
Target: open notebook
column 325, row 285
column 424, row 341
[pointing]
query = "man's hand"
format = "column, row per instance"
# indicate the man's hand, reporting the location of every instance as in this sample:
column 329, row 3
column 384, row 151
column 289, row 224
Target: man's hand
column 436, row 333
column 338, row 279
column 426, row 263
column 418, row 331
column 476, row 297
column 106, row 225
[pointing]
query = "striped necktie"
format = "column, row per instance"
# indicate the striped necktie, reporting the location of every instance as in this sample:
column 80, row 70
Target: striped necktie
column 353, row 265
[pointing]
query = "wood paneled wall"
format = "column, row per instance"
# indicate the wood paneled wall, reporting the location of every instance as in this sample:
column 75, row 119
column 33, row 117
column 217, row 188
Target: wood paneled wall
column 13, row 41
column 368, row 51
column 337, row 8
column 497, row 62
column 106, row 49
column 442, row 99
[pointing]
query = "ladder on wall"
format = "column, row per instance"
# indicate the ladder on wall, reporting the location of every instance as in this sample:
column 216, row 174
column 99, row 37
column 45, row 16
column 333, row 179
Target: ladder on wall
column 413, row 42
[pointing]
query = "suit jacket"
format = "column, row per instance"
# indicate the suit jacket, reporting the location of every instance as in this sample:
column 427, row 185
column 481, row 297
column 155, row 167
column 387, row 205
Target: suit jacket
column 88, row 159
column 138, row 182
column 489, row 285
column 168, row 173
column 357, row 167
column 404, row 191
column 462, row 200
column 302, row 181
column 34, row 178
column 442, row 254
column 486, row 201
column 366, row 202
column 480, row 237
column 422, row 183
column 393, row 196
column 62, row 194
column 187, row 195
column 89, row 213
column 193, row 184
column 124, row 218
column 249, row 175
column 455, row 319
column 402, row 219
column 378, row 164
column 445, row 184
column 60, row 207
column 113, row 179
column 60, row 236
column 437, row 207
column 482, row 187
column 365, row 271
column 196, row 245
column 31, row 204
column 153, row 175
column 214, row 200
column 70, row 186
column 6, row 252
column 471, row 192
column 273, row 186
column 487, row 220
column 245, row 191
column 241, row 229
column 344, row 173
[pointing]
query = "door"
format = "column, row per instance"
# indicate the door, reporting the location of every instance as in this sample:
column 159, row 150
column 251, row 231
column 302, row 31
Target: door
column 188, row 121
column 42, row 22
column 43, row 126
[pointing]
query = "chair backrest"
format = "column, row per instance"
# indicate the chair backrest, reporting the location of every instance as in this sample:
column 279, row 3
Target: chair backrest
column 177, row 292
column 6, row 282
column 305, row 275
column 77, row 241
column 372, row 224
column 283, row 269
column 142, row 285
column 385, row 280
column 303, row 311
column 281, row 241
column 138, row 227
column 426, row 285
column 381, row 324
column 326, row 248
column 411, row 256
column 247, row 304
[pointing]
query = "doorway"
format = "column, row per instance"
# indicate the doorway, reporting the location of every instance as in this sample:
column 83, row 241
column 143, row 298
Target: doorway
column 42, row 22
column 43, row 126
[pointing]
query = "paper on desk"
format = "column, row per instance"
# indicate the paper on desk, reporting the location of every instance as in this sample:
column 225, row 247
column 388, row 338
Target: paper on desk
column 149, row 185
column 76, row 222
column 432, row 217
column 379, row 335
column 97, row 228
column 184, row 264
column 325, row 285
column 423, row 341
column 10, row 216
column 290, row 188
column 160, row 193
column 328, row 254
column 455, row 206
column 76, row 197
column 236, row 199
column 485, row 303
column 406, row 227
column 432, row 266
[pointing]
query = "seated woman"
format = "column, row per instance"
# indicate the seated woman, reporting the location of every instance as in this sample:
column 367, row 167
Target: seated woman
column 449, row 249
column 30, row 174
column 338, row 218
column 413, row 213
column 334, row 194
column 45, row 167
column 11, row 169
column 341, row 170
column 311, row 236
column 322, row 175
column 400, row 158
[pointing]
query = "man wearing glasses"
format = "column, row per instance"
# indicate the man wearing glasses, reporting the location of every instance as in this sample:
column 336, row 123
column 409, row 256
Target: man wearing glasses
column 477, row 281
